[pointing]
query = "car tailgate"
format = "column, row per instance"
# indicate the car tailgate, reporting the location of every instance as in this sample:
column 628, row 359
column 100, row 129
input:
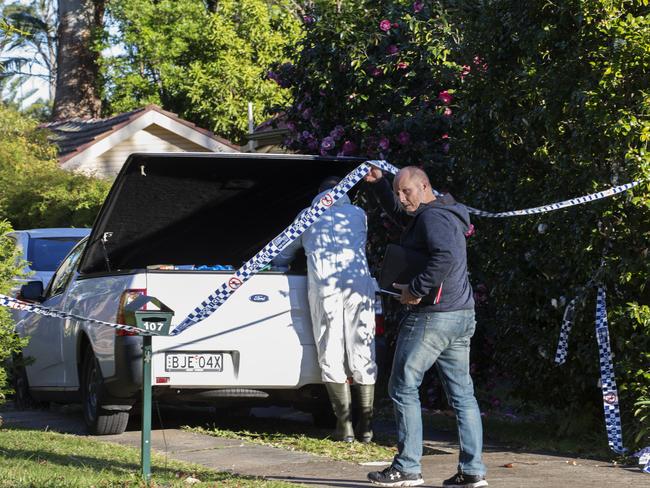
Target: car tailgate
column 261, row 337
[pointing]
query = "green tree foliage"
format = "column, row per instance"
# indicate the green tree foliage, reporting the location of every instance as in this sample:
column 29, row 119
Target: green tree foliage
column 537, row 102
column 34, row 191
column 9, row 341
column 203, row 64
column 28, row 41
column 555, row 104
column 372, row 78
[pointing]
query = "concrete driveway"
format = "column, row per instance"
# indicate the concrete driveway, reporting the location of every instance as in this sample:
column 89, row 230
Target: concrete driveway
column 507, row 468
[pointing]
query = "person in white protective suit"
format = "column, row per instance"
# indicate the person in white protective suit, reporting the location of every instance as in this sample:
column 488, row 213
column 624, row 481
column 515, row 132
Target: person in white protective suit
column 341, row 295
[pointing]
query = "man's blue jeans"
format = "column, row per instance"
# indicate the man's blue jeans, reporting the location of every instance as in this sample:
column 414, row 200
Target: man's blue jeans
column 442, row 338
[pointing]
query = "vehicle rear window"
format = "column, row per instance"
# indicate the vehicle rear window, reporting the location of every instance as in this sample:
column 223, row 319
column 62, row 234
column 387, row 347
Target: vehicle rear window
column 46, row 253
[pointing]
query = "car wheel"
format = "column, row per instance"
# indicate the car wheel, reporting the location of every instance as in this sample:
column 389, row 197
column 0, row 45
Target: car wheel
column 22, row 397
column 98, row 420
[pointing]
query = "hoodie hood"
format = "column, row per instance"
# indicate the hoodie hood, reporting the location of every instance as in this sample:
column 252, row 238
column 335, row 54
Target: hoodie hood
column 449, row 204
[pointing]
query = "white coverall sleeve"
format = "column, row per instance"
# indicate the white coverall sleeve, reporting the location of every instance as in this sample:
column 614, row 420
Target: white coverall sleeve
column 288, row 253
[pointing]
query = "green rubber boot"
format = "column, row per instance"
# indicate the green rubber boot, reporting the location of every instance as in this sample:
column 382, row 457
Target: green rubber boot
column 364, row 396
column 341, row 400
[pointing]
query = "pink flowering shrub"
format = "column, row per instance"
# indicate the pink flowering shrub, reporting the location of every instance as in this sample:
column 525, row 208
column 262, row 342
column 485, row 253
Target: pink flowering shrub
column 375, row 75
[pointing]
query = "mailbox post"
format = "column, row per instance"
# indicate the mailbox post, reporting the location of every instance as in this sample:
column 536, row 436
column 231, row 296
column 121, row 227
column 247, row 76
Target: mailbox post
column 154, row 322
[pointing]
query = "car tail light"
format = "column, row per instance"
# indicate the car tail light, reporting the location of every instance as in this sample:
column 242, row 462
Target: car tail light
column 379, row 316
column 162, row 379
column 379, row 325
column 127, row 297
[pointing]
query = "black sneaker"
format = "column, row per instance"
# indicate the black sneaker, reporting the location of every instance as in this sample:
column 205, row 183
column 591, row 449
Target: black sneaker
column 394, row 477
column 460, row 480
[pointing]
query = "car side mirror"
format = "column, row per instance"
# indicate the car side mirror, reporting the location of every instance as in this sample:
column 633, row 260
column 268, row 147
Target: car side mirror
column 32, row 291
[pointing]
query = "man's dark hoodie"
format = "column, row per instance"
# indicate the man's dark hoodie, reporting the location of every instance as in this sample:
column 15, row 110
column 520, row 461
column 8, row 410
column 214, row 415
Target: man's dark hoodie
column 438, row 230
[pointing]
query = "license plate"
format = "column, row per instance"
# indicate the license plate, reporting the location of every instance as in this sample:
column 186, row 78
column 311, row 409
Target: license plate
column 193, row 361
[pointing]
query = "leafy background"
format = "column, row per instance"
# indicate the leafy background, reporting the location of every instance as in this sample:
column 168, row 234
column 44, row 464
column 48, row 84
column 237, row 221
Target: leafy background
column 506, row 104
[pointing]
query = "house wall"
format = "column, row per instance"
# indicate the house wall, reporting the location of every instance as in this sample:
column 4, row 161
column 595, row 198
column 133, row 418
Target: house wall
column 152, row 139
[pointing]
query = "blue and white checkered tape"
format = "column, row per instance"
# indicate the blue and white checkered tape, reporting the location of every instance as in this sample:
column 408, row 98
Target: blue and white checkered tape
column 10, row 302
column 208, row 306
column 565, row 330
column 606, row 366
column 527, row 211
column 273, row 248
column 644, row 459
column 607, row 378
column 556, row 206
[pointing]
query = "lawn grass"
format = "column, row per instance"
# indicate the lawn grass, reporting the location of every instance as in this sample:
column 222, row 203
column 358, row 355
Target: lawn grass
column 32, row 458
column 502, row 432
column 297, row 436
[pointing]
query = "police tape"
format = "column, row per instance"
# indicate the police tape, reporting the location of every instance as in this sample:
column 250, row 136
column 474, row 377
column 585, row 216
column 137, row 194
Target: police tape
column 305, row 220
column 13, row 303
column 644, row 459
column 216, row 299
column 558, row 205
column 534, row 210
column 309, row 217
column 608, row 386
column 282, row 240
column 607, row 377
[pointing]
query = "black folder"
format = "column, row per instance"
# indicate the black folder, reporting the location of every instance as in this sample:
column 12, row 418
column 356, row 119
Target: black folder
column 401, row 265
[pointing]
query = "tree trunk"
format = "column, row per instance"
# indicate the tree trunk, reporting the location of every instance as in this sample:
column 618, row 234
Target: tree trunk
column 77, row 92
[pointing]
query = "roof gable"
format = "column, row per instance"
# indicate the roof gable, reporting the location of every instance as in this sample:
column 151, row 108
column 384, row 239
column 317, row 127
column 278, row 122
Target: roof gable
column 79, row 139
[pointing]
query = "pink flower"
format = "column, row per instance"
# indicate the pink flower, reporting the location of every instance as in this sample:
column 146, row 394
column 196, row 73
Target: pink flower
column 445, row 97
column 448, row 112
column 418, row 6
column 392, row 49
column 480, row 63
column 384, row 143
column 444, row 136
column 470, row 232
column 395, row 25
column 404, row 138
column 465, row 70
column 327, row 144
column 385, row 25
column 402, row 65
column 349, row 148
column 376, row 72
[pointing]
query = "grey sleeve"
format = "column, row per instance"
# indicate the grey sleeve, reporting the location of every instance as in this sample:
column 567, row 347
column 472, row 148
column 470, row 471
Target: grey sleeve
column 288, row 253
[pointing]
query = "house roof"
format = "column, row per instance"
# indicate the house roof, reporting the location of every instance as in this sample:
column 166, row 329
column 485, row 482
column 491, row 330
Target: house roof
column 271, row 131
column 74, row 136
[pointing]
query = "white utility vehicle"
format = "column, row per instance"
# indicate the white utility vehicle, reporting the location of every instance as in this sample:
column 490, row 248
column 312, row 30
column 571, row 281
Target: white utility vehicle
column 168, row 224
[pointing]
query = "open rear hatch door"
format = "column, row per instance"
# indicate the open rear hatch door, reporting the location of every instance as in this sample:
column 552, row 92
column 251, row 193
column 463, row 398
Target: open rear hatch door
column 197, row 208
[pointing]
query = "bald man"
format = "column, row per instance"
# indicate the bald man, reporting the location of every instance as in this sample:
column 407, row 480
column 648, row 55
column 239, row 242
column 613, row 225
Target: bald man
column 436, row 329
